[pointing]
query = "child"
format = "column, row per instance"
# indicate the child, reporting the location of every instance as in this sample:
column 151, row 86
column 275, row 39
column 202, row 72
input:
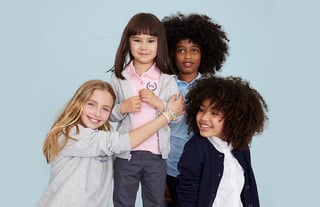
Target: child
column 79, row 147
column 143, row 83
column 197, row 46
column 215, row 166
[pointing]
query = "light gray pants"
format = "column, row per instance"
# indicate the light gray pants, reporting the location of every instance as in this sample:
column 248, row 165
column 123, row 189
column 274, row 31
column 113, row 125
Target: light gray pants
column 144, row 167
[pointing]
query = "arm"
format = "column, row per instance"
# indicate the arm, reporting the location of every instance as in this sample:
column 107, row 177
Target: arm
column 90, row 143
column 125, row 101
column 139, row 135
column 190, row 167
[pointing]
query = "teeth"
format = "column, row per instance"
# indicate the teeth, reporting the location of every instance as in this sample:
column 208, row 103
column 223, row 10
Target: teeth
column 187, row 64
column 93, row 120
column 205, row 126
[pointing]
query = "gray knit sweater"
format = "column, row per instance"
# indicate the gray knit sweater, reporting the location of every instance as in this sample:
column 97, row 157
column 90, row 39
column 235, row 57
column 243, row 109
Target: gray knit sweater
column 168, row 87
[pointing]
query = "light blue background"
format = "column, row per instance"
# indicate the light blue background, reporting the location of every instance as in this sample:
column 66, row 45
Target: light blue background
column 49, row 48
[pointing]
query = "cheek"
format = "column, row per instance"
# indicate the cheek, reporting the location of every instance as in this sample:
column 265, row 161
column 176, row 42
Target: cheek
column 155, row 49
column 106, row 116
column 198, row 60
column 198, row 118
column 178, row 58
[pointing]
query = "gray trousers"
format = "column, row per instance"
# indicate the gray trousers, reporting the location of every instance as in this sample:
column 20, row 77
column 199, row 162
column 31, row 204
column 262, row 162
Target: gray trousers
column 144, row 167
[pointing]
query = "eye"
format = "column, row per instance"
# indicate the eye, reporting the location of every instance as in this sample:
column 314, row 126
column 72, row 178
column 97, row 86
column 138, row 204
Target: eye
column 106, row 109
column 134, row 39
column 152, row 41
column 90, row 103
column 180, row 50
column 215, row 112
column 195, row 50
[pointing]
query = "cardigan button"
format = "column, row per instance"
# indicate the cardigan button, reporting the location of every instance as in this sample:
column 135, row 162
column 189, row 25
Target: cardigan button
column 250, row 205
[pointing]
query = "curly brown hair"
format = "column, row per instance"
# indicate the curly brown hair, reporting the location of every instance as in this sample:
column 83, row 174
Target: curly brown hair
column 244, row 109
column 201, row 30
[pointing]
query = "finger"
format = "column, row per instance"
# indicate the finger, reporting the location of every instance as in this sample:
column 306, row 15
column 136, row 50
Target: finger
column 173, row 97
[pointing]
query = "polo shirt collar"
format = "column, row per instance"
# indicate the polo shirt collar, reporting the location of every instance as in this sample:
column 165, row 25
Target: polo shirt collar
column 153, row 71
column 184, row 82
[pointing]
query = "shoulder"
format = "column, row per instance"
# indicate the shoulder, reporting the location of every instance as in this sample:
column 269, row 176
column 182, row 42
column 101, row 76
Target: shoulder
column 79, row 131
column 165, row 76
column 197, row 142
column 169, row 81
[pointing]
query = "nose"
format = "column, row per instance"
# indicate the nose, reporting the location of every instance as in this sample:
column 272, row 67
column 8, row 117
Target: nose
column 187, row 55
column 144, row 44
column 97, row 112
column 205, row 116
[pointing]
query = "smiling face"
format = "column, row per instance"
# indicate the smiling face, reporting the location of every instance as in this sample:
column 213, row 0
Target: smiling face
column 210, row 121
column 97, row 109
column 187, row 59
column 144, row 50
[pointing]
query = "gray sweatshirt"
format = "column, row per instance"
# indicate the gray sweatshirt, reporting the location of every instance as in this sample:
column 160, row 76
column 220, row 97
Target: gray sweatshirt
column 81, row 175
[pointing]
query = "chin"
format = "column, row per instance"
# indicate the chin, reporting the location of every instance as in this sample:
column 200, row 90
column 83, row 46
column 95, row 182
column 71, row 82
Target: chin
column 204, row 134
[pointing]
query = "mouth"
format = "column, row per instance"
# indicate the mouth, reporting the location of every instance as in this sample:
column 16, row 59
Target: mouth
column 187, row 64
column 93, row 120
column 204, row 127
column 144, row 54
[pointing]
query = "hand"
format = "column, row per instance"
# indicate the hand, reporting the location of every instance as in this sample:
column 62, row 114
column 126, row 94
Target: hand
column 150, row 98
column 132, row 104
column 176, row 104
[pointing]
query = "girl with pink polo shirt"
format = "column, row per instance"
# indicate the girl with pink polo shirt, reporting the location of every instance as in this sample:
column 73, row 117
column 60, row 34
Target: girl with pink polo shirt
column 144, row 82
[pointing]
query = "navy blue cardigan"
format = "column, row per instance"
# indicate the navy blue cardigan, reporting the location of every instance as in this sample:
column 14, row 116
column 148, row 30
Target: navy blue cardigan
column 201, row 169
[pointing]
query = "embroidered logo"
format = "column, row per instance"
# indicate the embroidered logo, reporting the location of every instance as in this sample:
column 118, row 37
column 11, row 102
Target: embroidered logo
column 103, row 158
column 151, row 86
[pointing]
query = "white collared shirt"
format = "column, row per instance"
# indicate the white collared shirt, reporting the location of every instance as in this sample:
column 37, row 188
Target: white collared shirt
column 232, row 181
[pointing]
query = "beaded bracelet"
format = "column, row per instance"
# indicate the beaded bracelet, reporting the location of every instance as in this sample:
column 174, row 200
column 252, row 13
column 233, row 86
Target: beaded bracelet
column 173, row 114
column 165, row 115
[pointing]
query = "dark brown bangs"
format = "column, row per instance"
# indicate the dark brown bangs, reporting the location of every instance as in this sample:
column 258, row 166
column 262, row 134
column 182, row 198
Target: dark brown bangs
column 144, row 25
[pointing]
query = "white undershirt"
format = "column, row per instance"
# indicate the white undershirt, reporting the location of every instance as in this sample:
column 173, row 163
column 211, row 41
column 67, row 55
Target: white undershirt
column 232, row 181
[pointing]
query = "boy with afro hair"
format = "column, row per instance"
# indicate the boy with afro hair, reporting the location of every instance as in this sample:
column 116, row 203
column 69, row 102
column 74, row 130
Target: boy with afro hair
column 197, row 46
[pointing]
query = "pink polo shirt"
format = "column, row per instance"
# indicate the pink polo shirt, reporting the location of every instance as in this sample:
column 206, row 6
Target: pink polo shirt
column 149, row 80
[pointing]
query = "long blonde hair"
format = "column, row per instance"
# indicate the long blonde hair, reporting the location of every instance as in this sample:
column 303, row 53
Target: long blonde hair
column 70, row 117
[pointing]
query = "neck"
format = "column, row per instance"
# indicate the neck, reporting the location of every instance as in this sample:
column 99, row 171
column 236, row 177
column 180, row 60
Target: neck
column 187, row 77
column 141, row 68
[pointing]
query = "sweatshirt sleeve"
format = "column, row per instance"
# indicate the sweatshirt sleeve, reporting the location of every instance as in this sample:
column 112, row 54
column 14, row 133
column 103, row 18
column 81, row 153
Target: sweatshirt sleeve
column 171, row 87
column 93, row 143
column 115, row 115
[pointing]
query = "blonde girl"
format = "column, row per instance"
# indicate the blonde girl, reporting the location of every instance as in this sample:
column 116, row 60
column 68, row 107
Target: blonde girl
column 80, row 145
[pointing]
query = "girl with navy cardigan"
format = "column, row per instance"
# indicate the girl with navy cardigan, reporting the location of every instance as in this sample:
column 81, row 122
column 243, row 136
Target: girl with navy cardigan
column 215, row 166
